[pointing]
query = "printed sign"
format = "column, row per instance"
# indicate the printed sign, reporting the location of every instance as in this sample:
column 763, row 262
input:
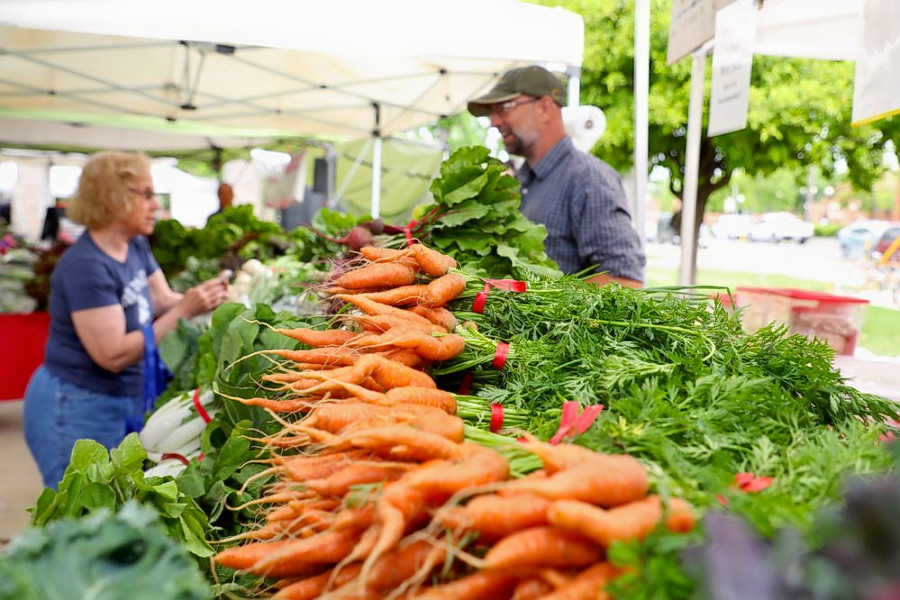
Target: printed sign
column 876, row 89
column 693, row 24
column 731, row 66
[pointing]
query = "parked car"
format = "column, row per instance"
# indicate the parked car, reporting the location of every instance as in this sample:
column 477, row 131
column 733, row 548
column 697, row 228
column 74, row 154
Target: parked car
column 859, row 238
column 887, row 238
column 732, row 227
column 780, row 227
column 666, row 234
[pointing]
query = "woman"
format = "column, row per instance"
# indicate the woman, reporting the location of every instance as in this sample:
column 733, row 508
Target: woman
column 104, row 290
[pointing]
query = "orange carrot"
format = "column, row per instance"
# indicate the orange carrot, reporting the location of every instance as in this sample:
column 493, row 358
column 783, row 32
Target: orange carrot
column 396, row 567
column 382, row 323
column 587, row 585
column 531, row 588
column 495, row 517
column 338, row 483
column 477, row 465
column 399, row 296
column 431, row 261
column 429, row 347
column 295, row 557
column 634, row 520
column 558, row 457
column 315, row 586
column 376, row 254
column 397, row 506
column 608, row 480
column 328, row 355
column 439, row 316
column 481, row 585
column 422, row 396
column 442, row 290
column 370, row 307
column 318, row 338
column 402, row 442
column 542, row 547
column 377, row 275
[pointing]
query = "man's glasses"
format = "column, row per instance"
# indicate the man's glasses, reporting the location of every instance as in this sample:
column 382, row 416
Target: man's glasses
column 502, row 109
column 147, row 193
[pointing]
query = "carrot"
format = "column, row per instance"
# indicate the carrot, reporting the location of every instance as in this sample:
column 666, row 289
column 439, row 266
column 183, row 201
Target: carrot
column 439, row 316
column 427, row 346
column 634, row 520
column 318, row 338
column 354, row 518
column 327, row 355
column 241, row 558
column 276, row 405
column 476, row 466
column 608, row 480
column 398, row 505
column 396, row 567
column 431, row 261
column 376, row 254
column 398, row 296
column 370, row 307
column 542, row 547
column 481, row 585
column 296, row 556
column 377, row 275
column 382, row 323
column 387, row 373
column 442, row 290
column 315, row 586
column 495, row 517
column 339, row 483
column 559, row 457
column 401, row 442
column 531, row 588
column 422, row 396
column 587, row 585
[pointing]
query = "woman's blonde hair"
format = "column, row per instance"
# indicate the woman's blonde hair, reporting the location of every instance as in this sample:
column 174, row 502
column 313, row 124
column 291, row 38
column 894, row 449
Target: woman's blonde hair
column 103, row 190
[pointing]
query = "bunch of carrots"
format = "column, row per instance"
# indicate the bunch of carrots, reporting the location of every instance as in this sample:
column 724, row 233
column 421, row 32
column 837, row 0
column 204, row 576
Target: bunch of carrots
column 378, row 494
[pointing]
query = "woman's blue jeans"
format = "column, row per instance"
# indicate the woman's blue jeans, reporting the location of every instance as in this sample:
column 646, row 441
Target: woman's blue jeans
column 58, row 413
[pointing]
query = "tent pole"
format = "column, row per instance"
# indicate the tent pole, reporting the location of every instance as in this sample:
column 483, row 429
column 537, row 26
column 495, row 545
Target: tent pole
column 376, row 164
column 573, row 88
column 641, row 112
column 688, row 273
column 376, row 178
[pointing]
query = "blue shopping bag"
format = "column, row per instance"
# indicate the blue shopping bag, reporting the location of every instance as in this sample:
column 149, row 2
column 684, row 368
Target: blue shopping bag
column 156, row 378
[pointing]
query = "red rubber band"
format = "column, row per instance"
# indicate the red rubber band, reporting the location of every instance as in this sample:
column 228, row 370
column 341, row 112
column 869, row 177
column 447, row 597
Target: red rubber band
column 177, row 457
column 465, row 384
column 509, row 285
column 500, row 355
column 407, row 231
column 200, row 410
column 496, row 417
column 566, row 421
column 479, row 302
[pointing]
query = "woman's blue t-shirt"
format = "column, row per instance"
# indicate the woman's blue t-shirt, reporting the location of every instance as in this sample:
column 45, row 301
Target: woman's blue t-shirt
column 86, row 277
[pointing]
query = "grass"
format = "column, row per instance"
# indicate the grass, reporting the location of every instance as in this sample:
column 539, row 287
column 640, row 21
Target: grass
column 880, row 333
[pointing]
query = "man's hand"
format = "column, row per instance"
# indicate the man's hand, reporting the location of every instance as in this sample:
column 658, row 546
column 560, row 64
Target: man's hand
column 605, row 278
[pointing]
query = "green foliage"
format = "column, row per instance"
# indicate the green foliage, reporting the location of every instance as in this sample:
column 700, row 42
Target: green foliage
column 475, row 218
column 107, row 555
column 826, row 230
column 96, row 479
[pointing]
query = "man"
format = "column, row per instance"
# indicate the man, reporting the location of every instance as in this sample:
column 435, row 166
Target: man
column 576, row 196
column 226, row 197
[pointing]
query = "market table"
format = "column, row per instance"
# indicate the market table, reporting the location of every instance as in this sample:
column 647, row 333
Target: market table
column 22, row 350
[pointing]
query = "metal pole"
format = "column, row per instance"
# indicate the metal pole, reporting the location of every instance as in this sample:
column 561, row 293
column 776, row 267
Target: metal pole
column 376, row 178
column 688, row 273
column 641, row 111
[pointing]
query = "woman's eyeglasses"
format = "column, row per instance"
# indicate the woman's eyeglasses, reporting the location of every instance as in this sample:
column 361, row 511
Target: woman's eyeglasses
column 147, row 193
column 502, row 109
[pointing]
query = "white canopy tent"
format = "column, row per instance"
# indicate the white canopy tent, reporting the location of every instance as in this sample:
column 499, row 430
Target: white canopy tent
column 222, row 72
column 819, row 29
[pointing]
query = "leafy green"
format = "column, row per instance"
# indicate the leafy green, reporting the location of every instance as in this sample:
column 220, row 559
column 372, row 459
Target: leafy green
column 96, row 479
column 475, row 218
column 104, row 556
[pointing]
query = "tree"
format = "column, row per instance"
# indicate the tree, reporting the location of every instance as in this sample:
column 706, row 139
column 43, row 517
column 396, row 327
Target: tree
column 799, row 112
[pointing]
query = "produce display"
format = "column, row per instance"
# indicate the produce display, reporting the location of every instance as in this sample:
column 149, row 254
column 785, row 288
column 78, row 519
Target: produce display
column 431, row 410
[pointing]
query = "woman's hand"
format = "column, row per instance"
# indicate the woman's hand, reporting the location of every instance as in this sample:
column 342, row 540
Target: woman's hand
column 203, row 298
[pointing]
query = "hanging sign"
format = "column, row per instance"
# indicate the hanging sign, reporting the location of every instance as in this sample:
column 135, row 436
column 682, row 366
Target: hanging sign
column 693, row 24
column 731, row 66
column 876, row 89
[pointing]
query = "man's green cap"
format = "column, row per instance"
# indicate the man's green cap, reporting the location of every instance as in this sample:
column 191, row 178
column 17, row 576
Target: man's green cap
column 533, row 81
